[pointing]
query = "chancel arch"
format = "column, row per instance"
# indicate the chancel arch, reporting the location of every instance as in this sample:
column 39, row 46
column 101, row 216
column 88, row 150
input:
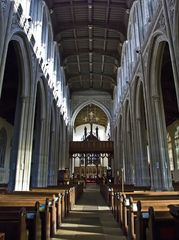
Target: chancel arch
column 81, row 106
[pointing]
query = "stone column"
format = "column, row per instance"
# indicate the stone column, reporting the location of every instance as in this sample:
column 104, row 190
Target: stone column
column 39, row 176
column 63, row 149
column 51, row 163
column 60, row 154
column 29, row 136
column 21, row 147
column 160, row 165
column 142, row 169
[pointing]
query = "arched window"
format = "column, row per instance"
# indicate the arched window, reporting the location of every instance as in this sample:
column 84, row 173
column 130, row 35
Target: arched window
column 55, row 66
column 136, row 30
column 150, row 7
column 170, row 152
column 140, row 22
column 155, row 4
column 32, row 11
column 35, row 11
column 49, row 44
column 145, row 12
column 3, row 145
column 44, row 36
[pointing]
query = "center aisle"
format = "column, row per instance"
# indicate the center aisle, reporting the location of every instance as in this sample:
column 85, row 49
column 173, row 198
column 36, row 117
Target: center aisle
column 90, row 219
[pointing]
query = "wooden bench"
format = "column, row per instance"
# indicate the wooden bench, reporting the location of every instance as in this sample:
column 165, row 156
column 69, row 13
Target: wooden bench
column 57, row 200
column 126, row 203
column 33, row 220
column 61, row 202
column 13, row 224
column 161, row 225
column 12, row 200
column 53, row 201
column 138, row 215
column 109, row 190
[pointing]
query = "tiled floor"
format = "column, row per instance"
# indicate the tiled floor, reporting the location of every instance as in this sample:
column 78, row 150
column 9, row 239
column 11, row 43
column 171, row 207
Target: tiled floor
column 90, row 219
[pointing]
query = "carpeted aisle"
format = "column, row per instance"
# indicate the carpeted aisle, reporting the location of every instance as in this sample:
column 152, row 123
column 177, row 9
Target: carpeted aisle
column 90, row 219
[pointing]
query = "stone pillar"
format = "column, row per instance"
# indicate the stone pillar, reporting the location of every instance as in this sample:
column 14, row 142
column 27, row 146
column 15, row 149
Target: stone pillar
column 60, row 153
column 161, row 176
column 129, row 166
column 51, row 164
column 63, row 147
column 39, row 176
column 29, row 136
column 20, row 167
column 142, row 167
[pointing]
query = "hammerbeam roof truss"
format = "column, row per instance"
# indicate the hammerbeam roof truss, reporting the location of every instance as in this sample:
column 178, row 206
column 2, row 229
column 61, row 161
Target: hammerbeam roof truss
column 90, row 34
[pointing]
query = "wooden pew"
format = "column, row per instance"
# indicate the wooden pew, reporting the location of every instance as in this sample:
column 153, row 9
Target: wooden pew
column 13, row 224
column 138, row 215
column 52, row 197
column 161, row 225
column 108, row 191
column 33, row 220
column 135, row 196
column 28, row 202
column 61, row 202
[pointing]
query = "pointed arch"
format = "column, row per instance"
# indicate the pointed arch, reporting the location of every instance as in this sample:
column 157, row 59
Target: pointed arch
column 81, row 106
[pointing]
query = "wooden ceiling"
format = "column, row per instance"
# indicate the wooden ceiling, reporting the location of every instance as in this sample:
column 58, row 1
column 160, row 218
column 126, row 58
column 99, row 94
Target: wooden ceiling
column 90, row 34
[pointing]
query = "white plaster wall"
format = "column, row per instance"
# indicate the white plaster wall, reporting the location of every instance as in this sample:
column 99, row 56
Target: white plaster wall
column 78, row 133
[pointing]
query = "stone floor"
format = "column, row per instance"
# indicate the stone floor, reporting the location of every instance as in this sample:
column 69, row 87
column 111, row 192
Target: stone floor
column 90, row 219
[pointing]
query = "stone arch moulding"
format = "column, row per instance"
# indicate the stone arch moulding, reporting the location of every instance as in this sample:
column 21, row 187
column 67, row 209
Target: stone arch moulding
column 156, row 48
column 131, row 18
column 24, row 53
column 81, row 106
